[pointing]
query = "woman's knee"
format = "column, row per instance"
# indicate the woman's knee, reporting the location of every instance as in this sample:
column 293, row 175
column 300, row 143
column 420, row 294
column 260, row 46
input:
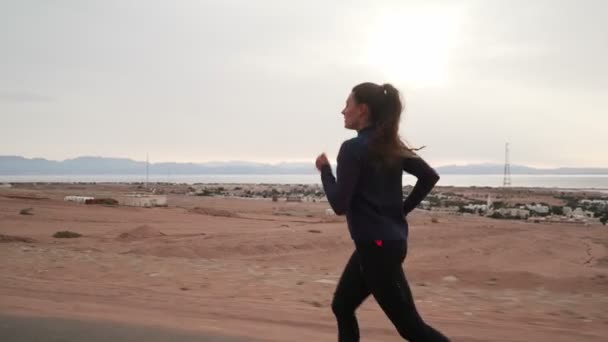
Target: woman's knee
column 341, row 308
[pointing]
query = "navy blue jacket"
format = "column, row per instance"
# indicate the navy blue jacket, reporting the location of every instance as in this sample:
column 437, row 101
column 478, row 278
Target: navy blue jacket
column 372, row 197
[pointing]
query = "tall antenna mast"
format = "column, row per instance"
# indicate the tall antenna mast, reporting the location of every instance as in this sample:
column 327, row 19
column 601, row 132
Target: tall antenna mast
column 147, row 169
column 507, row 177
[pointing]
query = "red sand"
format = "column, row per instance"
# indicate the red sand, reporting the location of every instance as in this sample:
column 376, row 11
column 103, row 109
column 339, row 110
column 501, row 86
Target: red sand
column 268, row 270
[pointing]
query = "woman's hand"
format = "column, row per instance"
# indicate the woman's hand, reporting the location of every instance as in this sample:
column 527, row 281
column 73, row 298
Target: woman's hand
column 321, row 161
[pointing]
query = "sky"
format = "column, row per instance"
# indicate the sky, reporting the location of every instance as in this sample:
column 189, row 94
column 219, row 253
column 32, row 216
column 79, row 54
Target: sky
column 266, row 80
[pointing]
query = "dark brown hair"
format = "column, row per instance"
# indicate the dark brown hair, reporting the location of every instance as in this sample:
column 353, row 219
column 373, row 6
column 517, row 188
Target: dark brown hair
column 385, row 107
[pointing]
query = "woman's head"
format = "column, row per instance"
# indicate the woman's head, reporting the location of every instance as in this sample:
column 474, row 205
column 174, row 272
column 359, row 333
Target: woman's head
column 378, row 107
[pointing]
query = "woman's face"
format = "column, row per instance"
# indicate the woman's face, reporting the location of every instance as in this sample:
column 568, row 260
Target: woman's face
column 355, row 114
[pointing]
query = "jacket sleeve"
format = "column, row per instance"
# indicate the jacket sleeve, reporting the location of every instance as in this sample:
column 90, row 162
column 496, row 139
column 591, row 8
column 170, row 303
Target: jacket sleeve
column 339, row 191
column 427, row 178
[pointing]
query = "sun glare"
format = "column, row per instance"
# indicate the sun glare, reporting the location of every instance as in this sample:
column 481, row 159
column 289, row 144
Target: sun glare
column 413, row 47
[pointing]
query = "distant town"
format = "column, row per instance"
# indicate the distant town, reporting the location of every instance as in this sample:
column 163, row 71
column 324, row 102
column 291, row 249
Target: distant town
column 578, row 207
column 535, row 205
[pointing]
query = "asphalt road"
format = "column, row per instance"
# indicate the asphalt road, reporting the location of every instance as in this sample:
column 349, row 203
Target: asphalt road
column 35, row 329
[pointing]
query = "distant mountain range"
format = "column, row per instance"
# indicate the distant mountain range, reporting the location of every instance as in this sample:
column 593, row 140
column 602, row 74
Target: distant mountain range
column 15, row 165
column 492, row 169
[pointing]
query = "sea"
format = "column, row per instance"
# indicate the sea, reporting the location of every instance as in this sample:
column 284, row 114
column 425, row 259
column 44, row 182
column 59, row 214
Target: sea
column 597, row 182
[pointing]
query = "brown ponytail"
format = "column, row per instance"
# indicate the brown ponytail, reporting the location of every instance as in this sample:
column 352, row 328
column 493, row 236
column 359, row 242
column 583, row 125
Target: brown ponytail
column 385, row 107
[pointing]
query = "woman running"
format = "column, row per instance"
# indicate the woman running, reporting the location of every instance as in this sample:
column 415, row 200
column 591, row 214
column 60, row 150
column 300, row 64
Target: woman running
column 368, row 190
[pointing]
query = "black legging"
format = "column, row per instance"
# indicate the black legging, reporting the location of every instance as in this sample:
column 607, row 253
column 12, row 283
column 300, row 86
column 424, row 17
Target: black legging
column 377, row 269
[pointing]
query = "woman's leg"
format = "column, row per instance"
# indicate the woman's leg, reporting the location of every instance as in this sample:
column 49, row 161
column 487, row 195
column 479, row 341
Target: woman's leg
column 350, row 293
column 383, row 273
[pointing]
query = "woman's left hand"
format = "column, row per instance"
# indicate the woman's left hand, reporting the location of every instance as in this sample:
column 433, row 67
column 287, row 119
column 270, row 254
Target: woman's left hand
column 321, row 161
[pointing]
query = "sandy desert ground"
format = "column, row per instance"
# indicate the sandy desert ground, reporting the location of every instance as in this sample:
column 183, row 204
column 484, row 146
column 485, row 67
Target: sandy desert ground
column 266, row 271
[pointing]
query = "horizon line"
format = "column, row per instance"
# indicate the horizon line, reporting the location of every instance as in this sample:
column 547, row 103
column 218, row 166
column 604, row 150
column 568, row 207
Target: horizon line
column 275, row 162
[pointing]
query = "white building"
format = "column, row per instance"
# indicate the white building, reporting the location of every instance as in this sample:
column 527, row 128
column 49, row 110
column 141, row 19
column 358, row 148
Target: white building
column 426, row 205
column 580, row 213
column 5, row 185
column 538, row 208
column 514, row 212
column 143, row 200
column 578, row 220
column 78, row 199
column 593, row 202
column 477, row 207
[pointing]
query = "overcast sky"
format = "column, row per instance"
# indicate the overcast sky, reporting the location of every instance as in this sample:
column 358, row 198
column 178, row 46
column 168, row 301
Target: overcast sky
column 266, row 80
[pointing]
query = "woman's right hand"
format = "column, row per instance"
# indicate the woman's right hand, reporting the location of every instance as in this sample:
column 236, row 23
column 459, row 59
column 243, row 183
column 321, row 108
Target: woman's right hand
column 321, row 161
